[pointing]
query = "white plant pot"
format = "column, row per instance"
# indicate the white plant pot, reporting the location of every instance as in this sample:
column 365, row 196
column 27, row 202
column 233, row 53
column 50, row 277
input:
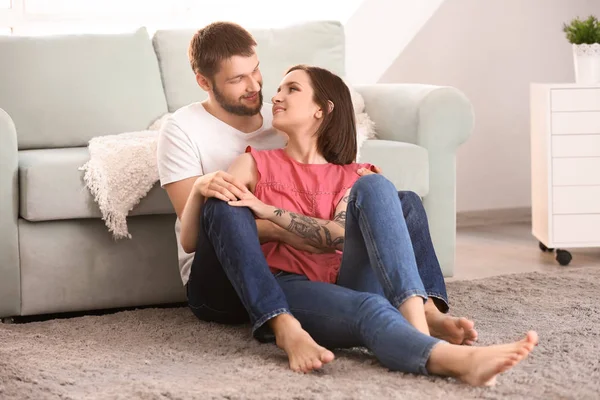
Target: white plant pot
column 586, row 58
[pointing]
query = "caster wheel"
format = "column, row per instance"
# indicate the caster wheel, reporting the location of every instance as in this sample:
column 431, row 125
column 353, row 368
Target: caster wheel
column 544, row 248
column 563, row 257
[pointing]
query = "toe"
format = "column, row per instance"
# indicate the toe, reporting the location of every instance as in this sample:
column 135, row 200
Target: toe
column 532, row 337
column 466, row 324
column 326, row 356
column 303, row 366
column 316, row 364
column 294, row 366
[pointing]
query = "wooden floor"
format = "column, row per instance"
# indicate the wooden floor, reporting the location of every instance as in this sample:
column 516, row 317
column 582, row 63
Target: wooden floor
column 491, row 250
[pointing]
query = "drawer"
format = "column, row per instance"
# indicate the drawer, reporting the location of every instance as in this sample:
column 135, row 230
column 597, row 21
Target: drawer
column 573, row 123
column 576, row 228
column 576, row 200
column 575, row 99
column 575, row 171
column 576, row 146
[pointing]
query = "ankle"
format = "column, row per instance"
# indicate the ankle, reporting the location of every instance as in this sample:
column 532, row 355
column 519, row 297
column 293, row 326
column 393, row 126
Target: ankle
column 283, row 323
column 445, row 360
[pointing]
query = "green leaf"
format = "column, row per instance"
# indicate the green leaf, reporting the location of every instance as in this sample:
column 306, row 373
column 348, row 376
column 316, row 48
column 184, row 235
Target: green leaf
column 583, row 32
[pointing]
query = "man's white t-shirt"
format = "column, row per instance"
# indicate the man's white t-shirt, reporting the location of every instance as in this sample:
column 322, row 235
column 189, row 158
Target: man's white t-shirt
column 193, row 142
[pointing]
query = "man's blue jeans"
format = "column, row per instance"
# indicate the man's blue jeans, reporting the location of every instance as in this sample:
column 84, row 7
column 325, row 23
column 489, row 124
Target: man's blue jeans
column 388, row 258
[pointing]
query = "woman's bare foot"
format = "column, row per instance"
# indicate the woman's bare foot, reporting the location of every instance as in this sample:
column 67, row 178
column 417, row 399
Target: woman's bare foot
column 413, row 311
column 303, row 352
column 451, row 329
column 479, row 366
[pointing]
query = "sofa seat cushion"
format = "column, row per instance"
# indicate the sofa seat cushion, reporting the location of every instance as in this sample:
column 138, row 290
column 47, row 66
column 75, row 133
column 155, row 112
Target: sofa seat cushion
column 51, row 187
column 405, row 164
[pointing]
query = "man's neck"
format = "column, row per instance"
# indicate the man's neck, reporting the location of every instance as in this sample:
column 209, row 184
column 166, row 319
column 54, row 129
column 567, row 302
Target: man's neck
column 246, row 124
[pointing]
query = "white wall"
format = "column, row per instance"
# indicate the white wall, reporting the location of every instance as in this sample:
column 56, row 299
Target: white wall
column 492, row 50
column 378, row 31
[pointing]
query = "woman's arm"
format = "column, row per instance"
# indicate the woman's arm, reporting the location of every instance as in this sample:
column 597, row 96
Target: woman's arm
column 317, row 232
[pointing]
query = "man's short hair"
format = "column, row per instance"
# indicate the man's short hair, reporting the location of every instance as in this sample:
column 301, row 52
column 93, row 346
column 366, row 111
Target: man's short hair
column 217, row 42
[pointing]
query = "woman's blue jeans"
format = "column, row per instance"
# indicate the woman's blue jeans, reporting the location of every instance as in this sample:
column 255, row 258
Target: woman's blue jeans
column 378, row 273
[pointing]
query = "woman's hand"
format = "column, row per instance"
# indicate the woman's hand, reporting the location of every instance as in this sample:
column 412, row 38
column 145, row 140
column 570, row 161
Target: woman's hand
column 260, row 209
column 365, row 172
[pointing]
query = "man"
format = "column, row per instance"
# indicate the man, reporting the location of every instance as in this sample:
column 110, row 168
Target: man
column 220, row 258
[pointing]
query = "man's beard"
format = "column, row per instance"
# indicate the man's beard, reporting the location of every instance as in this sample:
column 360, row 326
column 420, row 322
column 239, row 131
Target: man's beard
column 238, row 109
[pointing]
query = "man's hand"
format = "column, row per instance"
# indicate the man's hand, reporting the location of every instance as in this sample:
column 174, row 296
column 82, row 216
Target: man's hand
column 365, row 171
column 221, row 185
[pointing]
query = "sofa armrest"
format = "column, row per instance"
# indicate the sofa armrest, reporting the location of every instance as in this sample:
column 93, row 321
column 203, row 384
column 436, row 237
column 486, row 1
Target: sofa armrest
column 10, row 284
column 439, row 119
column 426, row 115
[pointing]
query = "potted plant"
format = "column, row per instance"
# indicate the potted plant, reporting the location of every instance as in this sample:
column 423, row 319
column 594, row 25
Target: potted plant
column 585, row 38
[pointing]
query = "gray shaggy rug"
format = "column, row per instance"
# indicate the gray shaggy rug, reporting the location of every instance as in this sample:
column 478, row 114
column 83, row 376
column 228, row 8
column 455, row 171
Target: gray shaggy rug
column 165, row 353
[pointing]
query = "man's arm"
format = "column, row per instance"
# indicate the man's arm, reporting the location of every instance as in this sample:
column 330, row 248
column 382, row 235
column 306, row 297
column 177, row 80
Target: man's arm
column 187, row 203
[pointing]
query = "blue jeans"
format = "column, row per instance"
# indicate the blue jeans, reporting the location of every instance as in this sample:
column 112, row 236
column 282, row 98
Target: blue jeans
column 378, row 273
column 231, row 283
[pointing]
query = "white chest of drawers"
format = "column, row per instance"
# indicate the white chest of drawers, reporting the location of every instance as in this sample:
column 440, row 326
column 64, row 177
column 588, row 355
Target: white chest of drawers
column 565, row 165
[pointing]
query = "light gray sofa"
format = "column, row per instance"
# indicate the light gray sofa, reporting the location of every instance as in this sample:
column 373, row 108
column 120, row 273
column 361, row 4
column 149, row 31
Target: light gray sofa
column 56, row 93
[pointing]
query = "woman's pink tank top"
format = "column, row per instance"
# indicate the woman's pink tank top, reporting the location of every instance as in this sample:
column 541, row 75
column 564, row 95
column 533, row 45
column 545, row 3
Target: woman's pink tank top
column 313, row 190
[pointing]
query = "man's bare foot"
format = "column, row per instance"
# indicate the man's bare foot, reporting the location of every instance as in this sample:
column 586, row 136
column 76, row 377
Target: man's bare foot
column 303, row 352
column 452, row 329
column 479, row 366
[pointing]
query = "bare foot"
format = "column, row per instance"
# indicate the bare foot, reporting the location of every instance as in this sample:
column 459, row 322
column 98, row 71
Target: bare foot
column 452, row 329
column 303, row 352
column 479, row 366
column 413, row 311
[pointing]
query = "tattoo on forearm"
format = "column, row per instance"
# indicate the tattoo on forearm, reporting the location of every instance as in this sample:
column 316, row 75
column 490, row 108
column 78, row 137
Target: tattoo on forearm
column 340, row 219
column 334, row 243
column 310, row 228
column 345, row 199
column 305, row 227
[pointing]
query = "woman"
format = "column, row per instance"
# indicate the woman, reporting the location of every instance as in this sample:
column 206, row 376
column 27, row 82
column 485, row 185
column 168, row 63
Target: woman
column 311, row 188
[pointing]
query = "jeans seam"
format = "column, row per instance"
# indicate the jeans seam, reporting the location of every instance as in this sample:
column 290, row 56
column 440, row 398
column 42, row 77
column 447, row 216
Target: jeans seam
column 426, row 355
column 438, row 296
column 317, row 314
column 399, row 300
column 267, row 317
column 226, row 256
column 368, row 233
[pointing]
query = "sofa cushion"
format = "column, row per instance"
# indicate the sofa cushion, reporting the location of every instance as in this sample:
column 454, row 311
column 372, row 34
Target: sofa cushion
column 318, row 43
column 405, row 164
column 61, row 91
column 51, row 187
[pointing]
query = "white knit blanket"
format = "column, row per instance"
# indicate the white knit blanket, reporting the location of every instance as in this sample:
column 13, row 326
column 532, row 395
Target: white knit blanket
column 123, row 168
